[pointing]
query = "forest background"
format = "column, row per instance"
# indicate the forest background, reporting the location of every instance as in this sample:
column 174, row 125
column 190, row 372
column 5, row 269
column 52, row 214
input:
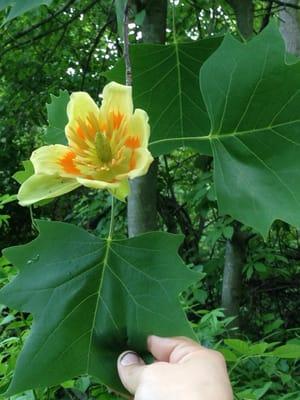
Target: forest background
column 247, row 302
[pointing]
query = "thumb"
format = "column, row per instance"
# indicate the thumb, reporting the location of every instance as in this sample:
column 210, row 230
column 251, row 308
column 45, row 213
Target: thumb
column 130, row 368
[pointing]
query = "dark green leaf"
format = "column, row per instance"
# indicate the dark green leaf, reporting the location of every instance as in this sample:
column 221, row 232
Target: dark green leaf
column 254, row 139
column 166, row 85
column 120, row 8
column 91, row 299
column 19, row 7
column 57, row 118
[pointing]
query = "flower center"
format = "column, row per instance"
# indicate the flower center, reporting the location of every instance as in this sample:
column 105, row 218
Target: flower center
column 103, row 149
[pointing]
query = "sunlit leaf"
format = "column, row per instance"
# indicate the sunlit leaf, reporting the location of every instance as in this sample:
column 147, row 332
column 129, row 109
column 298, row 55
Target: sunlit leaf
column 287, row 351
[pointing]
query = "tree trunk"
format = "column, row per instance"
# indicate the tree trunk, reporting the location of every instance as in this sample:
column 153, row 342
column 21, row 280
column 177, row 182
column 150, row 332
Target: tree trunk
column 235, row 256
column 235, row 252
column 142, row 202
column 243, row 10
column 290, row 27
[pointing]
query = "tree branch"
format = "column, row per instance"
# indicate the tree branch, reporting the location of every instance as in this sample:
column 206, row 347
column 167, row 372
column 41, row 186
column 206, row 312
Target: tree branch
column 284, row 4
column 267, row 16
column 39, row 24
column 126, row 46
column 58, row 28
column 85, row 69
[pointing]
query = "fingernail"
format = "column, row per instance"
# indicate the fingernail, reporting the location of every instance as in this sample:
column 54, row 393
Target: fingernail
column 129, row 358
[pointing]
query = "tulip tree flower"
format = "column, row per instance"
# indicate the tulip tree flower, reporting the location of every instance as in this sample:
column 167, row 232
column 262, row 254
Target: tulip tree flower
column 106, row 147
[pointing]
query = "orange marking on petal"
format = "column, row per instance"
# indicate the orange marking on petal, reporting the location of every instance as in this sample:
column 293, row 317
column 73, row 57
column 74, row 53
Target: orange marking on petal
column 132, row 162
column 133, row 142
column 103, row 127
column 80, row 132
column 117, row 119
column 67, row 162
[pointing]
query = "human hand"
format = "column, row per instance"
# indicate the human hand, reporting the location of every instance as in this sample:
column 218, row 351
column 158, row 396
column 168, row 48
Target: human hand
column 183, row 370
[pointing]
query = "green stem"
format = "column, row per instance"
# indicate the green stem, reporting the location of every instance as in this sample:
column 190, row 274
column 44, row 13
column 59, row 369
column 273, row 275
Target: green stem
column 111, row 224
column 174, row 23
column 33, row 224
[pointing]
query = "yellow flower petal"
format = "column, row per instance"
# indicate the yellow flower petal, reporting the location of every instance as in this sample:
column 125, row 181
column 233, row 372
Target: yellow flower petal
column 80, row 106
column 122, row 191
column 107, row 146
column 117, row 102
column 80, row 109
column 55, row 159
column 141, row 163
column 40, row 187
column 119, row 189
column 138, row 129
column 95, row 184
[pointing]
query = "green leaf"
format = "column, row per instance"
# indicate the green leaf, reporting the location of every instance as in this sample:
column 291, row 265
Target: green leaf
column 166, row 85
column 20, row 7
column 120, row 8
column 57, row 118
column 254, row 140
column 91, row 299
column 287, row 351
column 21, row 176
column 262, row 391
column 238, row 345
column 257, row 349
column 140, row 17
column 228, row 232
column 229, row 355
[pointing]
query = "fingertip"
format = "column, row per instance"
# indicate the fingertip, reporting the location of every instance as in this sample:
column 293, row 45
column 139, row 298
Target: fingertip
column 129, row 357
column 130, row 366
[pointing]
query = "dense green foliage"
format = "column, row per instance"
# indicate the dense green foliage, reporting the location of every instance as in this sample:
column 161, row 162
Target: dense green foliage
column 68, row 46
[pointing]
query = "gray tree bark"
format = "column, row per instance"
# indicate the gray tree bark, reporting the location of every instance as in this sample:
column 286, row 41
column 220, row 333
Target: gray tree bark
column 235, row 257
column 142, row 202
column 290, row 27
column 243, row 10
column 235, row 252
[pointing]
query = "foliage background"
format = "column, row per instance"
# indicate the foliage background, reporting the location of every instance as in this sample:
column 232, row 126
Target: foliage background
column 68, row 45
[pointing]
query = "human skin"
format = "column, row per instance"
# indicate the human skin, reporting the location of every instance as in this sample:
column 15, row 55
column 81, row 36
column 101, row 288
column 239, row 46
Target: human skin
column 182, row 370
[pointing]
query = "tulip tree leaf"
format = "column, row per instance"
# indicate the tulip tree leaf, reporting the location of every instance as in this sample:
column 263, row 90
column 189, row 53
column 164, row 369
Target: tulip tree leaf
column 19, row 7
column 252, row 97
column 120, row 9
column 91, row 299
column 253, row 100
column 166, row 85
column 57, row 118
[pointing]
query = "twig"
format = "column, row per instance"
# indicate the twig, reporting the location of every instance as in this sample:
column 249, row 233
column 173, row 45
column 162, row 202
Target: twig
column 41, row 35
column 285, row 4
column 126, row 46
column 38, row 24
column 93, row 48
column 267, row 16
